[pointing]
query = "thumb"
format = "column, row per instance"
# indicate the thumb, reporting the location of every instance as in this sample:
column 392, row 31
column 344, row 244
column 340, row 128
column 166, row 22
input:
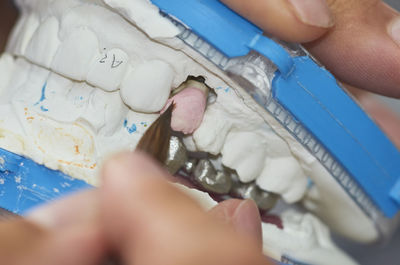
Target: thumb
column 364, row 48
column 289, row 20
column 244, row 215
column 159, row 225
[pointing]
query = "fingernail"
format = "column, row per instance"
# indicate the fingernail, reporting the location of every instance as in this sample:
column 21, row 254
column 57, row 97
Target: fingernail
column 247, row 220
column 394, row 30
column 313, row 12
column 224, row 211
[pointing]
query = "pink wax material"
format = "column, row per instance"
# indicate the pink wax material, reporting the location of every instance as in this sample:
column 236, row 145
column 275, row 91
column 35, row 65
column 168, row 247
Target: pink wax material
column 188, row 113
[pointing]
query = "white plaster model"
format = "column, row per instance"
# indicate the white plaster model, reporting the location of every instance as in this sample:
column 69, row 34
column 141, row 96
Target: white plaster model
column 84, row 79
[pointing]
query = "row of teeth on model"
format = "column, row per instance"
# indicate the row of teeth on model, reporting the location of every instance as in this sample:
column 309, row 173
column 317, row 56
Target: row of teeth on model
column 110, row 71
column 76, row 54
column 201, row 171
column 187, row 105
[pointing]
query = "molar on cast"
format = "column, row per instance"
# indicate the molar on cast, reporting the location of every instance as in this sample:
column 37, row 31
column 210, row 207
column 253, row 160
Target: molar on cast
column 74, row 60
column 7, row 66
column 210, row 179
column 177, row 155
column 264, row 200
column 284, row 176
column 22, row 34
column 210, row 136
column 245, row 153
column 190, row 105
column 44, row 44
column 146, row 87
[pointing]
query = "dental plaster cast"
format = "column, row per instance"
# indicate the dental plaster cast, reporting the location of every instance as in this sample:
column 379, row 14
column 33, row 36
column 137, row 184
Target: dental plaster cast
column 81, row 80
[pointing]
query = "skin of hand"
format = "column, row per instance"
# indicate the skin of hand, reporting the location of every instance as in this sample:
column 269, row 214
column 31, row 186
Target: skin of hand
column 139, row 217
column 148, row 221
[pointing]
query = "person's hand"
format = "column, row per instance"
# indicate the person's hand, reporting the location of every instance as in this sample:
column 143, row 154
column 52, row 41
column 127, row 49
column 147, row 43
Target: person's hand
column 137, row 216
column 357, row 40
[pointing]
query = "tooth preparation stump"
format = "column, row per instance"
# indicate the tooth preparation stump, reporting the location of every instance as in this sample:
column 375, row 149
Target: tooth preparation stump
column 189, row 108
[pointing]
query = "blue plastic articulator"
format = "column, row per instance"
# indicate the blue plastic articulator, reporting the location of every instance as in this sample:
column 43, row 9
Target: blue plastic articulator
column 24, row 184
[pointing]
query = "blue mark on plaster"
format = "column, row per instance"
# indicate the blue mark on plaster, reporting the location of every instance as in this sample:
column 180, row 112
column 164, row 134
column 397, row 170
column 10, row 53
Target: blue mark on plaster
column 310, row 183
column 228, row 89
column 43, row 95
column 43, row 109
column 131, row 129
column 144, row 124
column 78, row 98
column 42, row 98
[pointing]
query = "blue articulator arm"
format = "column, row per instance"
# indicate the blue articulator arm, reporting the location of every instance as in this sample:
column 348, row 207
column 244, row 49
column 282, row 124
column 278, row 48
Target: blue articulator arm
column 357, row 144
column 25, row 184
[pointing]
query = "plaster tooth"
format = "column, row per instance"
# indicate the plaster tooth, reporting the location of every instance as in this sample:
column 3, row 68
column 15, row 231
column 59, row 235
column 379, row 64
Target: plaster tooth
column 16, row 34
column 147, row 86
column 108, row 69
column 189, row 143
column 284, row 176
column 7, row 66
column 244, row 152
column 76, row 53
column 26, row 5
column 115, row 111
column 44, row 43
column 26, row 83
column 210, row 136
column 59, row 91
column 22, row 34
column 101, row 111
column 95, row 111
column 19, row 88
